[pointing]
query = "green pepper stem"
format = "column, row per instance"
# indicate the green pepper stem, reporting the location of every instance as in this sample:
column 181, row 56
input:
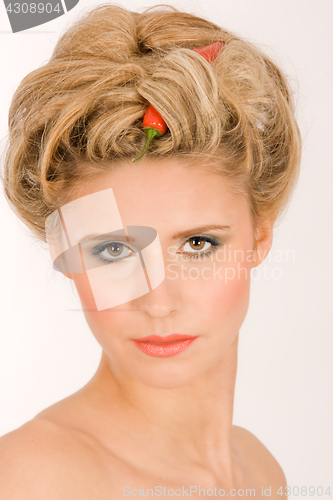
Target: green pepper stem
column 151, row 133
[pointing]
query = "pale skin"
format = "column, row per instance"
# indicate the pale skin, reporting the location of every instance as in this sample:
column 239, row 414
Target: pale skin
column 144, row 421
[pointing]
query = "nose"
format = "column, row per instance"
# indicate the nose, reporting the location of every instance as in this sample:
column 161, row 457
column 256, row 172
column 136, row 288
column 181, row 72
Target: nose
column 160, row 302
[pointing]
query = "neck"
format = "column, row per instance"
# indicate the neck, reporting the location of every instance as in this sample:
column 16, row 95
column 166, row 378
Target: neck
column 188, row 424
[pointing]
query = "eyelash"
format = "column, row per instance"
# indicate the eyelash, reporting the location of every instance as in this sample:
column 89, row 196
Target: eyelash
column 209, row 239
column 100, row 248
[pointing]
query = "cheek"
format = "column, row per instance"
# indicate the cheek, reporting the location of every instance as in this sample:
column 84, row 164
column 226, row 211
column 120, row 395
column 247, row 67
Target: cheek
column 225, row 296
column 232, row 296
column 84, row 290
column 100, row 321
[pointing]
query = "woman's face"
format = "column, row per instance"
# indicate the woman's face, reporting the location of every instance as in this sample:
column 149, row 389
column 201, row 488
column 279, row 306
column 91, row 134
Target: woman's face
column 203, row 296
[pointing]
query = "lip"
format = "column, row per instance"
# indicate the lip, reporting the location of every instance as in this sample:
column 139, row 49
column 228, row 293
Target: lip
column 170, row 345
column 168, row 338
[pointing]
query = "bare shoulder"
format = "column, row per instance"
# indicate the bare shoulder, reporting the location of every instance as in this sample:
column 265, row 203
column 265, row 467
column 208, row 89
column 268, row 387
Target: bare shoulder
column 39, row 459
column 260, row 462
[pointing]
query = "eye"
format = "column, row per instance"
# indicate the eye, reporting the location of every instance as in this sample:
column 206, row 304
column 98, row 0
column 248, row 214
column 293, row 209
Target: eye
column 202, row 246
column 112, row 252
column 197, row 243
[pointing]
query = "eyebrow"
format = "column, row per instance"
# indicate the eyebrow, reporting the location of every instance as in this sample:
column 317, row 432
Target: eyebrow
column 101, row 237
column 200, row 229
column 181, row 234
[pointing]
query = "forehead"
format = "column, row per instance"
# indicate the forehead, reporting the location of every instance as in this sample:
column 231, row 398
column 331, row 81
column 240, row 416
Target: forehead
column 156, row 192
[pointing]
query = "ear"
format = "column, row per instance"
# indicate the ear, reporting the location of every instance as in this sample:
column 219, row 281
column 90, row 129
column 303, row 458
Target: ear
column 263, row 241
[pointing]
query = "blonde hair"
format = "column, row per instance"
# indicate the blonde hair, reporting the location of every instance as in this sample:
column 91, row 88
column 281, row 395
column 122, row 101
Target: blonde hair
column 80, row 114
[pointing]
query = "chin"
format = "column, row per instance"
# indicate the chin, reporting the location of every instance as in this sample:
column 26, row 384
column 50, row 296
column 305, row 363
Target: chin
column 172, row 372
column 167, row 377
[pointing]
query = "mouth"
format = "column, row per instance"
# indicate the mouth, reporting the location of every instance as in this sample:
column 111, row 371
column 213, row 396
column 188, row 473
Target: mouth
column 174, row 337
column 164, row 347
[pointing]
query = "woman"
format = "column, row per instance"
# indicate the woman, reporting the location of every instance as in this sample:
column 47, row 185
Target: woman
column 160, row 248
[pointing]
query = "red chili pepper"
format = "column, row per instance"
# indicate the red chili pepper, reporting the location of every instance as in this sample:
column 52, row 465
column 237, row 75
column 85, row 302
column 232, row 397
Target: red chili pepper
column 154, row 126
column 153, row 123
column 209, row 52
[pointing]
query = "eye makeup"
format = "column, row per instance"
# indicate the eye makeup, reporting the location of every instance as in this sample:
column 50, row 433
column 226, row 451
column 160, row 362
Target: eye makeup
column 214, row 242
column 102, row 251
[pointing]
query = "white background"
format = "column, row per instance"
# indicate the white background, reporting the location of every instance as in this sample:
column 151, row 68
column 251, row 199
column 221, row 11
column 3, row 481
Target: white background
column 284, row 382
